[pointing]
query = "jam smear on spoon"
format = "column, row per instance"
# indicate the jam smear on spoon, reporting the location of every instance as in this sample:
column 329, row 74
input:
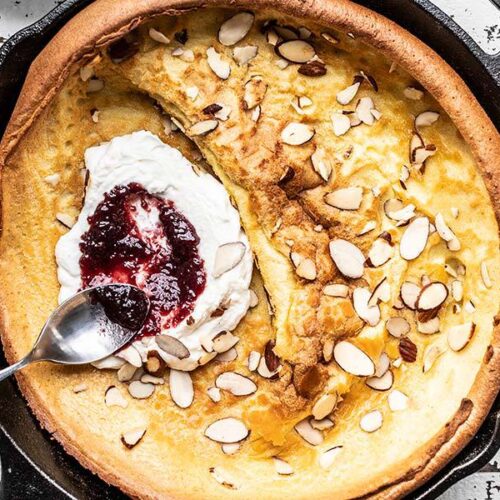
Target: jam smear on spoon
column 137, row 238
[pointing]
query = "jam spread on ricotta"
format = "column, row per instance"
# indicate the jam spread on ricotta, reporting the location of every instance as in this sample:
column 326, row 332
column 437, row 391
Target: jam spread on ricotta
column 137, row 238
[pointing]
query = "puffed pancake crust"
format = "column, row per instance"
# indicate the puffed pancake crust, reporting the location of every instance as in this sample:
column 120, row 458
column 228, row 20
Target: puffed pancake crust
column 336, row 134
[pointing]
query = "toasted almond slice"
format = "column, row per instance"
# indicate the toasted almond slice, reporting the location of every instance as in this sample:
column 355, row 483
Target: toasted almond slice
column 364, row 110
column 52, row 179
column 353, row 360
column 230, row 448
column 131, row 438
column 321, row 425
column 295, row 51
column 330, row 38
column 454, row 212
column 457, row 290
column 66, row 220
column 158, row 36
column 308, row 433
column 383, row 364
column 414, row 239
column 131, row 355
column 255, row 115
column 227, row 257
column 453, row 245
column 327, row 350
column 372, row 421
column 192, row 92
column 392, row 205
column 227, row 430
column 228, row 356
column 402, row 215
column 126, row 372
column 341, row 123
column 221, row 477
column 264, row 371
column 321, row 165
column 431, row 353
column 109, row 363
column 442, row 228
column 255, row 90
column 253, row 360
column 306, row 269
column 413, row 94
column 360, row 298
column 236, row 384
column 324, row 406
column 429, row 327
column 397, row 401
column 203, row 127
column 282, row 467
column 80, row 388
column 397, row 362
column 336, row 290
column 151, row 379
column 469, row 307
column 409, row 294
column 243, row 55
column 181, row 388
column 172, row 346
column 380, row 252
column 460, row 335
column 426, row 118
column 214, row 394
column 86, row 72
column 327, row 458
column 296, row 134
column 345, row 96
column 382, row 383
column 272, row 37
column 347, row 257
column 381, row 293
column 94, row 85
column 431, row 296
column 139, row 390
column 218, row 65
column 254, row 299
column 485, row 275
column 345, row 198
column 369, row 226
column 113, row 397
column 397, row 326
column 235, row 28
column 224, row 341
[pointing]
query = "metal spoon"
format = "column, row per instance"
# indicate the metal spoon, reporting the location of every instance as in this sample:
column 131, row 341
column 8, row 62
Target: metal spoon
column 89, row 326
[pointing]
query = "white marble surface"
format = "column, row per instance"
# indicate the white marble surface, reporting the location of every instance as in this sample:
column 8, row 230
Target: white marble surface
column 481, row 19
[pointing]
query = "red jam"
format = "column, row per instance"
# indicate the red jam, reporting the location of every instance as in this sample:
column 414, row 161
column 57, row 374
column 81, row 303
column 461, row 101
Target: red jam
column 141, row 239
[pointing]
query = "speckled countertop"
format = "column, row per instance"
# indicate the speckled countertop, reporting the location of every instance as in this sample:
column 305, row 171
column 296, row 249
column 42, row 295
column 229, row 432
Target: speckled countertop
column 481, row 19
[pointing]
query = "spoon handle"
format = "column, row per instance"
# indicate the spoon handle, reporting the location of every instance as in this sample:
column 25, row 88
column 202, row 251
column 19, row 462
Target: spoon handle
column 7, row 372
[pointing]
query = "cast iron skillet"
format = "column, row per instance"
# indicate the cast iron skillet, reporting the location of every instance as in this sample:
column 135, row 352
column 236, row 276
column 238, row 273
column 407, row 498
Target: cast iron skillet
column 34, row 466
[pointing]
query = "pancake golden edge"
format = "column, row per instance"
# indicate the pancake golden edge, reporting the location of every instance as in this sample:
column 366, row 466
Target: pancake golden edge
column 55, row 144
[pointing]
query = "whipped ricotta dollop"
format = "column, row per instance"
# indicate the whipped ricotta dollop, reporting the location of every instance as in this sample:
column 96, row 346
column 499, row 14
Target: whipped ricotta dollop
column 142, row 158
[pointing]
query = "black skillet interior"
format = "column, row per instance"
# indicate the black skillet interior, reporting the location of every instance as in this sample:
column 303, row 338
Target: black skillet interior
column 34, row 466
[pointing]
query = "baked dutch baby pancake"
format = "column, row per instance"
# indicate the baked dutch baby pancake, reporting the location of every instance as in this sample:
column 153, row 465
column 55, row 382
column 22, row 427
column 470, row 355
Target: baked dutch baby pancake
column 308, row 195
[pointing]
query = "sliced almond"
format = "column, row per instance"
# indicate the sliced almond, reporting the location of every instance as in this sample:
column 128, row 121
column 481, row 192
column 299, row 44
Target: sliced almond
column 369, row 314
column 409, row 294
column 230, row 448
column 151, row 379
column 431, row 353
column 380, row 252
column 94, row 85
column 324, row 406
column 328, row 350
column 372, row 421
column 414, row 238
column 255, row 90
column 139, row 390
column 485, row 275
column 369, row 226
column 345, row 96
column 431, row 296
column 328, row 457
column 383, row 383
column 347, row 257
column 113, row 397
column 460, row 335
column 353, row 360
column 227, row 430
column 442, row 228
column 236, row 384
column 243, row 55
column 429, row 327
column 218, row 65
column 306, row 269
column 383, row 364
column 109, row 363
column 172, row 346
column 86, row 72
column 308, row 433
column 296, row 134
column 192, row 92
column 469, row 307
column 413, row 94
column 203, row 127
column 295, row 51
column 457, row 290
column 224, row 341
column 132, row 438
column 131, row 355
column 227, row 257
column 336, row 290
column 397, row 401
column 341, row 123
column 397, row 326
column 364, row 110
column 426, row 118
column 255, row 115
column 282, row 467
column 235, row 28
column 214, row 394
column 264, row 371
column 181, row 388
column 158, row 36
column 66, row 220
column 321, row 165
column 126, row 372
column 345, row 198
column 321, row 425
column 80, row 388
column 253, row 360
column 222, row 478
column 228, row 356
